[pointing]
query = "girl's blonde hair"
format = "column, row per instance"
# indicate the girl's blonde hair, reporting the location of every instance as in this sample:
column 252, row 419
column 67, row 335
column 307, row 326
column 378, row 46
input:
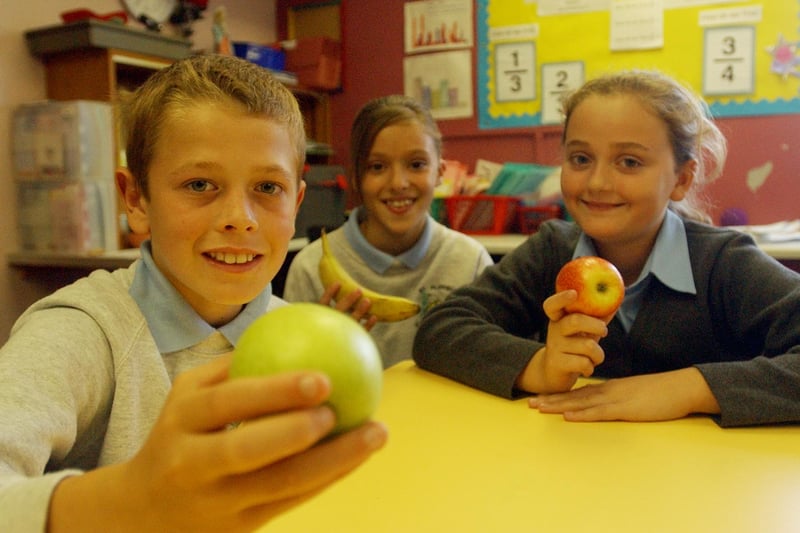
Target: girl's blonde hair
column 691, row 130
column 376, row 115
column 211, row 78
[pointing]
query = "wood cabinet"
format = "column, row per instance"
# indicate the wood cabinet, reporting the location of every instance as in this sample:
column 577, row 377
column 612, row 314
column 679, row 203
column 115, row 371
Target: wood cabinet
column 101, row 73
column 97, row 73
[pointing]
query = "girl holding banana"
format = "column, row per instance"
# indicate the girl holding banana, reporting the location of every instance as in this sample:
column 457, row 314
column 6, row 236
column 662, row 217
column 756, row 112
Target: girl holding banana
column 391, row 261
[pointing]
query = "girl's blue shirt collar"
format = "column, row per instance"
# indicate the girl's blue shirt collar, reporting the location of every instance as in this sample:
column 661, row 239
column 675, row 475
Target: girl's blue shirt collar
column 381, row 261
column 669, row 260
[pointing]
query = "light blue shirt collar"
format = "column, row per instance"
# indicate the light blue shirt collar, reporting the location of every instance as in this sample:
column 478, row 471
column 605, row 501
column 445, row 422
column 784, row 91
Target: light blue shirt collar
column 381, row 261
column 174, row 324
column 668, row 261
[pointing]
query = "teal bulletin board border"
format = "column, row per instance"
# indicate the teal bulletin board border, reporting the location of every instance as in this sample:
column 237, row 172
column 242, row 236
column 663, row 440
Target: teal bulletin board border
column 779, row 106
column 486, row 121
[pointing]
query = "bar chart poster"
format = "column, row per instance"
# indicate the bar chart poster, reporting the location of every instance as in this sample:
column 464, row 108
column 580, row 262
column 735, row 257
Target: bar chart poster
column 742, row 57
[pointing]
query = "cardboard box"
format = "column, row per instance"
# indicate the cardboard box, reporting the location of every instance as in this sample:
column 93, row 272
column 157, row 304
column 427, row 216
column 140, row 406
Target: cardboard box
column 327, row 75
column 316, row 61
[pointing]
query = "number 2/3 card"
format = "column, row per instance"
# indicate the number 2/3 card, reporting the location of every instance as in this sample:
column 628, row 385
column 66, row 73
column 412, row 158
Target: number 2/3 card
column 558, row 80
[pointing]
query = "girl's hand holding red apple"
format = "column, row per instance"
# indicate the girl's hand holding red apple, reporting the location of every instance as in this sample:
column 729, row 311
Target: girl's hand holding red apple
column 571, row 349
column 589, row 290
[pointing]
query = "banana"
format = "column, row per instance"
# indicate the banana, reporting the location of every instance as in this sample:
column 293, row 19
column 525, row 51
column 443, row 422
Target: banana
column 384, row 307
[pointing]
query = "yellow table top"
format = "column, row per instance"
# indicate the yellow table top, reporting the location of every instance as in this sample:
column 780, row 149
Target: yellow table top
column 459, row 460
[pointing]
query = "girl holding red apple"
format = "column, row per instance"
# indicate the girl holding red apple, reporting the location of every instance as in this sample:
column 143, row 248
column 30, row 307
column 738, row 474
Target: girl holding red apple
column 708, row 324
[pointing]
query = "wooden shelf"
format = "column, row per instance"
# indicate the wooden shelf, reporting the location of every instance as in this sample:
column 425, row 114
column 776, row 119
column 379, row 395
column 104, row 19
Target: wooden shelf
column 108, row 260
column 51, row 271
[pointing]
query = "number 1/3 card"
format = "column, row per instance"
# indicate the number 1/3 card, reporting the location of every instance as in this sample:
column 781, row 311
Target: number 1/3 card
column 515, row 71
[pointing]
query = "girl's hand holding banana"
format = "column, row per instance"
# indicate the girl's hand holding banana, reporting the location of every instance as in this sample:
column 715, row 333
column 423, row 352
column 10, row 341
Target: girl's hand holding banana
column 367, row 306
column 353, row 304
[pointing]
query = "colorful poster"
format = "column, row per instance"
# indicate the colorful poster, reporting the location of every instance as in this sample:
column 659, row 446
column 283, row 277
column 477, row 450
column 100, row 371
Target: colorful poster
column 742, row 57
column 442, row 82
column 438, row 25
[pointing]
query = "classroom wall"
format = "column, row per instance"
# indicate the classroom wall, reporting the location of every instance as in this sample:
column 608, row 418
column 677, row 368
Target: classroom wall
column 373, row 66
column 22, row 80
column 373, row 53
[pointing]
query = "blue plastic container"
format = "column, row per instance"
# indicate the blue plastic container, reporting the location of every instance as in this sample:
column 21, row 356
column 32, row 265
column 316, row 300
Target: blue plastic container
column 266, row 56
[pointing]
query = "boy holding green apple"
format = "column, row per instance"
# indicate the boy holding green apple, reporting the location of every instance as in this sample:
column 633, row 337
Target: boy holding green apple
column 114, row 395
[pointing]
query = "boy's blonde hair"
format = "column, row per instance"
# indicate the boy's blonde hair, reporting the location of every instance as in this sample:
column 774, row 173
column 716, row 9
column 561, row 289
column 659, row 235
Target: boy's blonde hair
column 692, row 132
column 203, row 79
column 376, row 115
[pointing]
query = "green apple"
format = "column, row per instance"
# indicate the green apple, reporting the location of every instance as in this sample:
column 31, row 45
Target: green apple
column 310, row 336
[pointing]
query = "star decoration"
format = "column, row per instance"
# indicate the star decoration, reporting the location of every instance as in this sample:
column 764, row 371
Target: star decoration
column 784, row 58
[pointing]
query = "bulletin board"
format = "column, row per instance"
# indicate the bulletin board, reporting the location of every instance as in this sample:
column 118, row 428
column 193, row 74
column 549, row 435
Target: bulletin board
column 742, row 57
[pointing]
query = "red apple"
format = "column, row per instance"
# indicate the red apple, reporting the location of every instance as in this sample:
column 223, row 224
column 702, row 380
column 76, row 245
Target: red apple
column 310, row 336
column 599, row 285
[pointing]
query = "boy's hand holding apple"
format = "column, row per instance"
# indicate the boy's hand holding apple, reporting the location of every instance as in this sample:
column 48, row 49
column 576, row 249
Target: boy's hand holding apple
column 193, row 474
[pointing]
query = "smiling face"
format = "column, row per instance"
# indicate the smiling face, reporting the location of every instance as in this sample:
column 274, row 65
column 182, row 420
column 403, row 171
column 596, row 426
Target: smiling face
column 402, row 170
column 619, row 172
column 223, row 195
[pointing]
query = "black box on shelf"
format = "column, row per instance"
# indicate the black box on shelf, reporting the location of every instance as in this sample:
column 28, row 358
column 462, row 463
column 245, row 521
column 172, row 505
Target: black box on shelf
column 324, row 203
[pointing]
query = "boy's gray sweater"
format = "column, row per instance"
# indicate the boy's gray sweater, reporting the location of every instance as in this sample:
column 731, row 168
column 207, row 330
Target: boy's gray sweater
column 81, row 384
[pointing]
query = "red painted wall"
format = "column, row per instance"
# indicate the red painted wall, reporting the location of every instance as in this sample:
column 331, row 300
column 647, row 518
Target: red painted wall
column 373, row 66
